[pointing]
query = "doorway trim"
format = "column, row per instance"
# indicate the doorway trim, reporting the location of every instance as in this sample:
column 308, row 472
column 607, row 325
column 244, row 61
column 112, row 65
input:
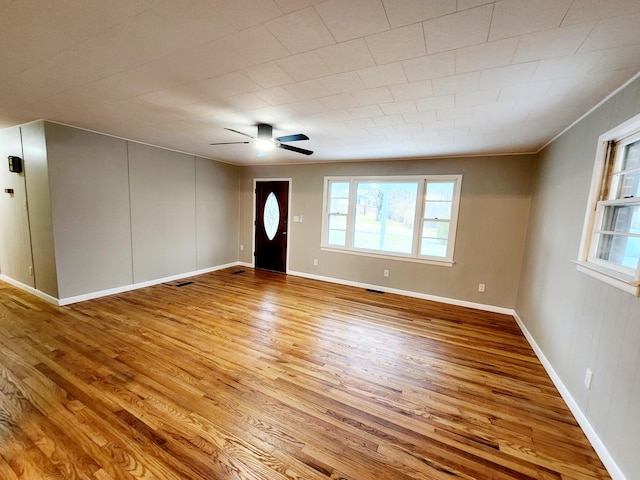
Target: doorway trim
column 289, row 216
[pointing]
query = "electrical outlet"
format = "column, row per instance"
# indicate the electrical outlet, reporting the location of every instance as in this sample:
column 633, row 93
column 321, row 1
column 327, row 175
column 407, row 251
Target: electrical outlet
column 587, row 378
column 296, row 218
column 481, row 287
column 31, row 271
column 241, row 247
column 386, row 273
column 315, row 262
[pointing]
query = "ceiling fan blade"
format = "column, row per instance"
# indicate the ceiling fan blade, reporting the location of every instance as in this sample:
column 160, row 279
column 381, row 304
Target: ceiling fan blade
column 292, row 138
column 295, row 149
column 236, row 131
column 229, row 143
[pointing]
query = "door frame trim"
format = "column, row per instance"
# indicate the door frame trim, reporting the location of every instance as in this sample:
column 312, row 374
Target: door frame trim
column 253, row 230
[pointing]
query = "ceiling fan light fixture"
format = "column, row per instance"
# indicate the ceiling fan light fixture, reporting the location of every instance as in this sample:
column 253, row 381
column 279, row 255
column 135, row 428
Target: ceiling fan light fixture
column 263, row 144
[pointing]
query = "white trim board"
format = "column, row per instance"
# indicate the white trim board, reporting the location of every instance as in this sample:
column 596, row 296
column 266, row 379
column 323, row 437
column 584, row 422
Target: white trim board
column 30, row 289
column 135, row 286
column 111, row 291
column 406, row 293
column 583, row 421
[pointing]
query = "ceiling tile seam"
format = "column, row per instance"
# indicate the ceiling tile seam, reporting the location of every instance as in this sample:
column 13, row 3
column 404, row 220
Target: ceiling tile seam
column 493, row 11
column 564, row 17
column 229, row 42
column 386, row 15
column 327, row 26
column 552, row 29
column 419, row 21
column 595, row 25
column 515, row 50
column 292, row 13
column 426, row 42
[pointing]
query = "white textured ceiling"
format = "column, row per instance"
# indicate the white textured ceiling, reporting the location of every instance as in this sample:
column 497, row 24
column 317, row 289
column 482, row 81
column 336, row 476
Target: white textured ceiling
column 364, row 79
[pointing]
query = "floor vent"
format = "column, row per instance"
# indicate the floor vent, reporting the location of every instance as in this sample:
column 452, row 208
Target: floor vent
column 239, row 271
column 178, row 284
column 374, row 291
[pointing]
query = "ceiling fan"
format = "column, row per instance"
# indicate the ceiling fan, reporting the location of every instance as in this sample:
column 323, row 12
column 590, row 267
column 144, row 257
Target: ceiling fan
column 265, row 141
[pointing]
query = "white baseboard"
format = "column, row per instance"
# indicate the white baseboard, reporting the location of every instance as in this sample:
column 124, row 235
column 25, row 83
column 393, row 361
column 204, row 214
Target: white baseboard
column 135, row 286
column 111, row 291
column 30, row 289
column 406, row 293
column 587, row 428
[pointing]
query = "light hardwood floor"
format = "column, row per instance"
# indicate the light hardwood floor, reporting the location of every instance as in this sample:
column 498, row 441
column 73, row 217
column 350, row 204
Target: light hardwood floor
column 258, row 375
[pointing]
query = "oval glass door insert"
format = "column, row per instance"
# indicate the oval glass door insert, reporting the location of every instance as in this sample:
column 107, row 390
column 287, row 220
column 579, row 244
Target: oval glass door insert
column 271, row 216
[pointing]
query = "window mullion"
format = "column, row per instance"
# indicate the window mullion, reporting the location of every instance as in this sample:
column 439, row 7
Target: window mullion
column 453, row 220
column 618, row 234
column 627, row 171
column 620, row 201
column 418, row 221
column 351, row 210
column 326, row 198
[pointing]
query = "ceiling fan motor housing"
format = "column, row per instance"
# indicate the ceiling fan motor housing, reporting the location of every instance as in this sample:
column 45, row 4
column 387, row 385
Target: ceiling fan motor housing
column 265, row 131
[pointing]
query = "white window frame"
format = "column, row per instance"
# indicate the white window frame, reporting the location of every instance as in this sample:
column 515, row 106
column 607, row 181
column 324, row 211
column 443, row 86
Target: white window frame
column 626, row 279
column 419, row 219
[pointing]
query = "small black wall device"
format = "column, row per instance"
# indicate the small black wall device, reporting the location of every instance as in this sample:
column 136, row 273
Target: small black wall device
column 15, row 164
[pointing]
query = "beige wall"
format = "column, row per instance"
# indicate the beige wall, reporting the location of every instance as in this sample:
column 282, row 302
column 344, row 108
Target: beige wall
column 163, row 212
column 577, row 321
column 491, row 229
column 40, row 222
column 216, row 213
column 106, row 213
column 15, row 240
column 127, row 213
column 88, row 178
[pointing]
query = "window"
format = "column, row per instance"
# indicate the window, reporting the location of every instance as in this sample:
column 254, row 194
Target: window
column 407, row 217
column 610, row 247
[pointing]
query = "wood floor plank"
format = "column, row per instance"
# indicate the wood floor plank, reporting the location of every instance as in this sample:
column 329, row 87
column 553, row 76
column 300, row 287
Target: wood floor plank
column 266, row 376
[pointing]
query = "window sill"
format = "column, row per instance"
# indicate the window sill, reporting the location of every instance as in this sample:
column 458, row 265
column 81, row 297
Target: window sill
column 610, row 277
column 441, row 263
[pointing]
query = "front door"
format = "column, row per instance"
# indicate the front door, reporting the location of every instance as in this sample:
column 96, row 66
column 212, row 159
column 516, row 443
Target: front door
column 272, row 211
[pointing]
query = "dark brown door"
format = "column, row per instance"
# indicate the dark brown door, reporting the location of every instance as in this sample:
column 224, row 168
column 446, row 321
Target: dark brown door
column 272, row 211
